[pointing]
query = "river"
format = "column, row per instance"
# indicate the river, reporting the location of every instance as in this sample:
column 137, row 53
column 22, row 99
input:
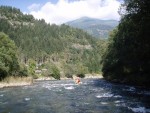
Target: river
column 64, row 96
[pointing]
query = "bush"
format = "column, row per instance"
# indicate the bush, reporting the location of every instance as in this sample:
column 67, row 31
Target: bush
column 35, row 76
column 32, row 67
column 81, row 75
column 8, row 57
column 23, row 72
column 55, row 72
column 68, row 75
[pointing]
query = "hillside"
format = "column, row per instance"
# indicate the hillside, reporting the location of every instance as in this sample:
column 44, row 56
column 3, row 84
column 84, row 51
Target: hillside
column 51, row 47
column 95, row 27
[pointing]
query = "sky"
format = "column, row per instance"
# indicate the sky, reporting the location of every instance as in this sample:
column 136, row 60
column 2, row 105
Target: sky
column 61, row 11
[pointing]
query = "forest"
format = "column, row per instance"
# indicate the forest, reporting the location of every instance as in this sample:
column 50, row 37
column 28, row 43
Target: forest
column 48, row 49
column 127, row 57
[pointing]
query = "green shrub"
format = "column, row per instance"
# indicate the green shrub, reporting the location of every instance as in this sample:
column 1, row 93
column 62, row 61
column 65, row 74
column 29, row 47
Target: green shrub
column 68, row 75
column 81, row 75
column 55, row 72
column 23, row 72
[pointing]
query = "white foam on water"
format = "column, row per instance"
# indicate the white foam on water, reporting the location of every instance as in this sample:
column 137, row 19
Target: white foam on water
column 26, row 87
column 27, row 99
column 1, row 95
column 85, row 83
column 130, row 89
column 86, row 103
column 117, row 96
column 147, row 92
column 56, row 87
column 97, row 89
column 121, row 104
column 57, row 90
column 148, row 110
column 69, row 88
column 118, row 105
column 49, row 88
column 118, row 101
column 99, row 96
column 138, row 110
column 70, row 84
column 104, row 103
column 106, row 95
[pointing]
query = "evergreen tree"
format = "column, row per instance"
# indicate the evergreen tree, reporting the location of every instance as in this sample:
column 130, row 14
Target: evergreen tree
column 127, row 56
column 8, row 57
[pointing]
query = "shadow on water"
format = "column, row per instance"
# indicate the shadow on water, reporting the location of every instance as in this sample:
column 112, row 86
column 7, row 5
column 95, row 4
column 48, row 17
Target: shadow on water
column 137, row 95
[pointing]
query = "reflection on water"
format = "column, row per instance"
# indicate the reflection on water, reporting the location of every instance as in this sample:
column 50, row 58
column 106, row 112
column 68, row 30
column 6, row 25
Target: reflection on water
column 64, row 96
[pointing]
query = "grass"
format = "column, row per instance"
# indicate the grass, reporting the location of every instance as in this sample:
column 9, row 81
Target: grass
column 93, row 75
column 16, row 81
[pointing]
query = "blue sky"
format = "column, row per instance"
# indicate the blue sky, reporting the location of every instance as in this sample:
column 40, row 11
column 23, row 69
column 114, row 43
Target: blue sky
column 60, row 11
column 23, row 4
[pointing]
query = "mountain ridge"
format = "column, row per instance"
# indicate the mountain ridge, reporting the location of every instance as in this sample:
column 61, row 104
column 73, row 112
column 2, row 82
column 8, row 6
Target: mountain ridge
column 96, row 27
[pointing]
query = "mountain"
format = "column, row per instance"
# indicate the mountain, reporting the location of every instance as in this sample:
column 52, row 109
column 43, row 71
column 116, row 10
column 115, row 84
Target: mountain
column 69, row 49
column 95, row 27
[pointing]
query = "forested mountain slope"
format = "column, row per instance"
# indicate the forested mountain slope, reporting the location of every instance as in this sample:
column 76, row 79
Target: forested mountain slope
column 68, row 49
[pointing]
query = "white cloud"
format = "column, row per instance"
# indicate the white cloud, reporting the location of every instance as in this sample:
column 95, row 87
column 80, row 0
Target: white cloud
column 65, row 10
column 34, row 7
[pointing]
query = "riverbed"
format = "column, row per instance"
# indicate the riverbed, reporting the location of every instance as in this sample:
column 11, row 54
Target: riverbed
column 64, row 96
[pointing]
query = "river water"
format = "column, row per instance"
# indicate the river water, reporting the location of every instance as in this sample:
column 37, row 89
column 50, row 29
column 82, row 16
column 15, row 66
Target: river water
column 64, row 96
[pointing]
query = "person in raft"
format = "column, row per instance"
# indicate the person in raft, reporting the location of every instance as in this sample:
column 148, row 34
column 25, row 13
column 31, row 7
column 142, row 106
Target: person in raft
column 77, row 80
